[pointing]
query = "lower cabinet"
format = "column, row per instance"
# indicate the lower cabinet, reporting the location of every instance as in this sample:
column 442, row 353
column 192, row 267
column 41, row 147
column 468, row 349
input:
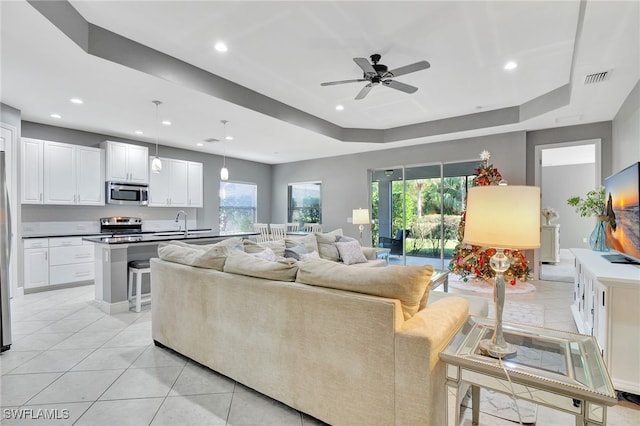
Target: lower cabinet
column 605, row 305
column 55, row 261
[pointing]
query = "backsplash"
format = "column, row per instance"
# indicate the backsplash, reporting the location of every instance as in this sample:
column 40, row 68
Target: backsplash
column 93, row 227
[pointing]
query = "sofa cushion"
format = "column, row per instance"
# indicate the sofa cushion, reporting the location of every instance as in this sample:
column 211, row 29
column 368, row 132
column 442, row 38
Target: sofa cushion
column 309, row 242
column 327, row 244
column 351, row 252
column 405, row 283
column 266, row 254
column 254, row 247
column 296, row 252
column 312, row 255
column 210, row 256
column 241, row 263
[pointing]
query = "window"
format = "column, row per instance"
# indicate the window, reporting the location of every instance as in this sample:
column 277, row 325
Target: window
column 237, row 206
column 304, row 200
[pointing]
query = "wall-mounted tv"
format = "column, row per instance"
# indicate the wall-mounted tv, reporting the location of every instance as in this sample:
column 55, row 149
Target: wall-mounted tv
column 623, row 228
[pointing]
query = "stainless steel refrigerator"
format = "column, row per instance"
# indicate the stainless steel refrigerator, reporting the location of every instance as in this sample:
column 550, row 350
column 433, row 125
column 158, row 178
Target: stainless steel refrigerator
column 5, row 252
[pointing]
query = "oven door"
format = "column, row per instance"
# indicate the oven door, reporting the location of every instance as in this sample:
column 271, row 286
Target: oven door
column 127, row 194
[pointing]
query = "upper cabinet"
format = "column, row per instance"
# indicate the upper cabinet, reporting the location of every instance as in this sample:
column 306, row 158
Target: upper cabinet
column 60, row 173
column 179, row 184
column 32, row 171
column 126, row 163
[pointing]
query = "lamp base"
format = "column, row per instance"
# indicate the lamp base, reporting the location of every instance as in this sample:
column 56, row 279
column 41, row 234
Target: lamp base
column 494, row 350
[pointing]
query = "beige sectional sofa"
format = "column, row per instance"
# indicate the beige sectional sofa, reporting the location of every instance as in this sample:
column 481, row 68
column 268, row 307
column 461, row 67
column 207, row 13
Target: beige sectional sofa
column 349, row 346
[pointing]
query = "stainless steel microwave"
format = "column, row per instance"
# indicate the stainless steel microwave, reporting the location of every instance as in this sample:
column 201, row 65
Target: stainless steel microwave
column 127, row 194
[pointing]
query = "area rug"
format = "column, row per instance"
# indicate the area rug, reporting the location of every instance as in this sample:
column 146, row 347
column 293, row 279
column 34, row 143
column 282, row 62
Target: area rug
column 481, row 286
column 498, row 404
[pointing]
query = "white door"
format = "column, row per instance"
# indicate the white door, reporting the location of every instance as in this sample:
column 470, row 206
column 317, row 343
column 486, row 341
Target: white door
column 59, row 173
column 36, row 267
column 90, row 176
column 159, row 185
column 117, row 170
column 138, row 164
column 194, row 184
column 32, row 171
column 178, row 183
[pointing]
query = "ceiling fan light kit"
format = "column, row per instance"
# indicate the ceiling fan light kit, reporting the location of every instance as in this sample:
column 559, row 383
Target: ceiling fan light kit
column 376, row 73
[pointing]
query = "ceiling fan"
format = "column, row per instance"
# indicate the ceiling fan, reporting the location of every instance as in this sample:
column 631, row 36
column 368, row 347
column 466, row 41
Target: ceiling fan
column 376, row 73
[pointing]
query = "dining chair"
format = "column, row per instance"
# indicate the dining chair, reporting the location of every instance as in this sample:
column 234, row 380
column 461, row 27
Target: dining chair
column 278, row 231
column 263, row 232
column 312, row 227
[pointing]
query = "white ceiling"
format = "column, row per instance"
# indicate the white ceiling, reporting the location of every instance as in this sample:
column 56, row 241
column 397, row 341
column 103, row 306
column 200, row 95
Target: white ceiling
column 284, row 50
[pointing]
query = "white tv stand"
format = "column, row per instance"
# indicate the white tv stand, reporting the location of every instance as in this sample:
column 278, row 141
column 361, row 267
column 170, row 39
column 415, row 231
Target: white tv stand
column 606, row 304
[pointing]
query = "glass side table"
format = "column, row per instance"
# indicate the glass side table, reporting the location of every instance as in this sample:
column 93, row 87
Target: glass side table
column 557, row 369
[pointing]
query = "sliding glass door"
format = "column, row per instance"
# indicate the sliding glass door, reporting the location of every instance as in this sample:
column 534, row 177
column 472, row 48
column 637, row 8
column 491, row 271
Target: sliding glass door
column 416, row 211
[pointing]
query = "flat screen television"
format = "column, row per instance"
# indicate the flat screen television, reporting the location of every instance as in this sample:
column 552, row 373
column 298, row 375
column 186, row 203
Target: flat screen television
column 623, row 228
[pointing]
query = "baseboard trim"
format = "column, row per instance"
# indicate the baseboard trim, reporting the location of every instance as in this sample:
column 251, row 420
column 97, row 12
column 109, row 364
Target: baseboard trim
column 114, row 308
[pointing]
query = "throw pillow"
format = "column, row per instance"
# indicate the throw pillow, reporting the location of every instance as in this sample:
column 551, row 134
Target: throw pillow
column 308, row 240
column 345, row 239
column 407, row 284
column 295, row 252
column 327, row 244
column 254, row 247
column 266, row 254
column 312, row 255
column 351, row 252
column 241, row 263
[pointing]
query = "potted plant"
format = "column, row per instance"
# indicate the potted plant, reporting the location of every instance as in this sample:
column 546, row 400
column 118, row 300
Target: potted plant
column 593, row 204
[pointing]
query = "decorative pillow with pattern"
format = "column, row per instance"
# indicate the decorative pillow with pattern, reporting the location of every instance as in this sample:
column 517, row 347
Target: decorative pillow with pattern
column 351, row 252
column 266, row 254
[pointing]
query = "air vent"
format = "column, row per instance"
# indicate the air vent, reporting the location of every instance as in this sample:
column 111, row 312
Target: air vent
column 212, row 140
column 596, row 77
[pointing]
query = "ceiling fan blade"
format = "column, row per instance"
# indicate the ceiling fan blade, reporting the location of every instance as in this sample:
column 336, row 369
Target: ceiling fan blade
column 400, row 86
column 422, row 65
column 365, row 91
column 331, row 83
column 366, row 66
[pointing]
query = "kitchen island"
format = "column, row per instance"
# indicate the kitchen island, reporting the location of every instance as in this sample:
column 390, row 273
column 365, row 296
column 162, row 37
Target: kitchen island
column 113, row 253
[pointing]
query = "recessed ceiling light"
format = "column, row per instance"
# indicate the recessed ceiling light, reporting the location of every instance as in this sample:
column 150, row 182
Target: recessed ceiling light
column 339, row 107
column 229, row 137
column 510, row 66
column 139, row 132
column 77, row 101
column 166, row 123
column 199, row 144
column 220, row 47
column 55, row 116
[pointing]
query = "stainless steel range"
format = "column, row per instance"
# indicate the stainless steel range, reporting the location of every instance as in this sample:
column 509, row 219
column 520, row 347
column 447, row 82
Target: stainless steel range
column 121, row 225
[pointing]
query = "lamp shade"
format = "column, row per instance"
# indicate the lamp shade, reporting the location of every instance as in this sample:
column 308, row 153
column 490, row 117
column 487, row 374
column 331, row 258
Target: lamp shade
column 503, row 217
column 224, row 173
column 361, row 217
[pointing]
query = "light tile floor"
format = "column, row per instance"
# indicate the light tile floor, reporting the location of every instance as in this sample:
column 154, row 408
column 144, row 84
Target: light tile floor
column 88, row 368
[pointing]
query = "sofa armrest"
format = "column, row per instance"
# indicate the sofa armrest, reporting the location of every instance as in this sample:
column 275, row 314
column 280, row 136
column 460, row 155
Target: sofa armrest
column 371, row 253
column 420, row 375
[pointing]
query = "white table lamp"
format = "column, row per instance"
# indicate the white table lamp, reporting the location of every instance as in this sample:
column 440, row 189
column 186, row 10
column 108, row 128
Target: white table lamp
column 502, row 217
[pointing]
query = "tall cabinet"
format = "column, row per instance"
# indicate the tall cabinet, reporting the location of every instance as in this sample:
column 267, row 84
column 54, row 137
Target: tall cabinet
column 606, row 304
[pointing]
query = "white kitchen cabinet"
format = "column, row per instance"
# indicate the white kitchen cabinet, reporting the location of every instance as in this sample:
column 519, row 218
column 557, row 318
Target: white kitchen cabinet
column 36, row 263
column 32, row 154
column 194, row 184
column 60, row 173
column 169, row 188
column 126, row 163
column 55, row 261
column 606, row 297
column 550, row 244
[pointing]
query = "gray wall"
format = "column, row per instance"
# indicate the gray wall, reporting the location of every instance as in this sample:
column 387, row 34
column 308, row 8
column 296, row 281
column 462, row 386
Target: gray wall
column 564, row 182
column 207, row 217
column 626, row 132
column 345, row 181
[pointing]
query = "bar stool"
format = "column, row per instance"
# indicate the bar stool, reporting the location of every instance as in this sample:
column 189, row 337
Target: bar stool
column 136, row 269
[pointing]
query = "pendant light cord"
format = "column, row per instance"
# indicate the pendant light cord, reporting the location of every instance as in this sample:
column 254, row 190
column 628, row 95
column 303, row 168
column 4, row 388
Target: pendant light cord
column 157, row 105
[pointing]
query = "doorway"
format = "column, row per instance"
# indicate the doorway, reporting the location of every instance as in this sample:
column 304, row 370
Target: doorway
column 565, row 170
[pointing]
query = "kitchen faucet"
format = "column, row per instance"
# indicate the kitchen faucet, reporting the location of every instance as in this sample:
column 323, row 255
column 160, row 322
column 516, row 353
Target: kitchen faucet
column 186, row 232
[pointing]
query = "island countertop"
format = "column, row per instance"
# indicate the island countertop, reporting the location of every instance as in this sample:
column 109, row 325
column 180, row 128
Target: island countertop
column 159, row 237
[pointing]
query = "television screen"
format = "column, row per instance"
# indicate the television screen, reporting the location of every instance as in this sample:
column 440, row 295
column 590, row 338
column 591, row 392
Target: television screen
column 623, row 228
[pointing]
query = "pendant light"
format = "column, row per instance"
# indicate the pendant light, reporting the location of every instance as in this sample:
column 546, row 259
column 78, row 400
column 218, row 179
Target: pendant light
column 156, row 164
column 224, row 172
